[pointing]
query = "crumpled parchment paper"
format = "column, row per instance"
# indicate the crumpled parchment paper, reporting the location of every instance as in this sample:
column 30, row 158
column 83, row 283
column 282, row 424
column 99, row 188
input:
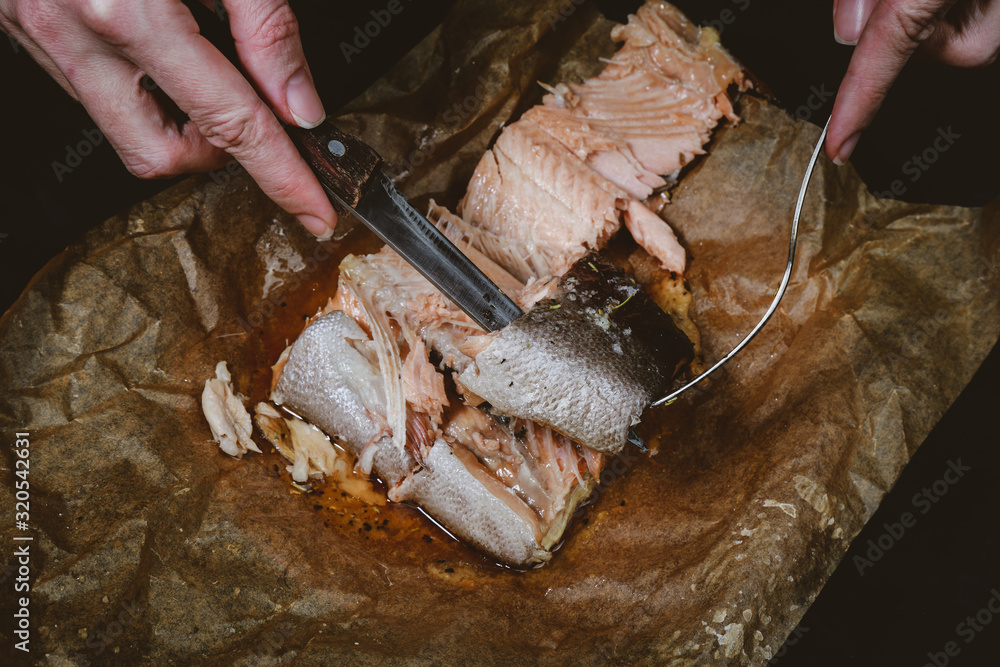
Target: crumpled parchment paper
column 153, row 547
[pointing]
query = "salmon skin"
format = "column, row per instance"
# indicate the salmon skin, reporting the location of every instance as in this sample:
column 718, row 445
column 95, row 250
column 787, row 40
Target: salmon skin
column 504, row 486
column 554, row 393
column 585, row 361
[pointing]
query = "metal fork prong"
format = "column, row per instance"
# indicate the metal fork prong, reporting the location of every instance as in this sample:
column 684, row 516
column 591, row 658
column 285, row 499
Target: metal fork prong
column 793, row 240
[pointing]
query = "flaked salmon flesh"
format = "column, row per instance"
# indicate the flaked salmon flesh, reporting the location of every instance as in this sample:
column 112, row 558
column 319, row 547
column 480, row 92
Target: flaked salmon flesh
column 500, row 436
column 566, row 173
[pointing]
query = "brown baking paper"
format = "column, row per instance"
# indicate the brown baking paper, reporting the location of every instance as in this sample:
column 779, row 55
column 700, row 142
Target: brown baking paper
column 153, row 547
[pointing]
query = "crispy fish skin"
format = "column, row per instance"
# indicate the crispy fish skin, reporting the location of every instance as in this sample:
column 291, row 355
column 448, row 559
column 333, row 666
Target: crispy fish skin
column 586, row 361
column 457, row 491
column 331, row 384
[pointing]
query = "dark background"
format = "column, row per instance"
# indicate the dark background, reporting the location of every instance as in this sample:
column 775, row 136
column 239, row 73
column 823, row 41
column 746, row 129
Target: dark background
column 909, row 603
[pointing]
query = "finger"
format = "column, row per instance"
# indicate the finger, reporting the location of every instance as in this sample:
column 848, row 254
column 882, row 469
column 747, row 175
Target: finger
column 969, row 36
column 267, row 42
column 37, row 53
column 849, row 19
column 143, row 132
column 228, row 113
column 893, row 32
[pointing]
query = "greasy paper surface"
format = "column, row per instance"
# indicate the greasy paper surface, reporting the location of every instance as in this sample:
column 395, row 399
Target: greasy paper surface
column 151, row 546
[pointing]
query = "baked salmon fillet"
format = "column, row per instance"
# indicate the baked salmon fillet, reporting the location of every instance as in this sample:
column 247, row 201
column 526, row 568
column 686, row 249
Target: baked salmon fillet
column 500, row 436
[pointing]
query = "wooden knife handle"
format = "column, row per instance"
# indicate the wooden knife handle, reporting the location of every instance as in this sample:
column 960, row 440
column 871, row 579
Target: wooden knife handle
column 342, row 162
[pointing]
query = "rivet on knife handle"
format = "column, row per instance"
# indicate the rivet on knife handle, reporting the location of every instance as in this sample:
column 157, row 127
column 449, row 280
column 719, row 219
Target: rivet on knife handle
column 342, row 162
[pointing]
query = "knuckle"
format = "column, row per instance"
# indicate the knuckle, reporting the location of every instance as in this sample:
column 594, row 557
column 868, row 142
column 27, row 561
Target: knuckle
column 33, row 17
column 978, row 54
column 277, row 27
column 108, row 19
column 240, row 131
column 915, row 21
column 151, row 165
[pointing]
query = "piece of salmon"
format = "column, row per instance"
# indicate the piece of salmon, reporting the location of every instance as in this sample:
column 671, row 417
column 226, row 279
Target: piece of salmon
column 499, row 436
column 507, row 488
column 555, row 390
column 571, row 171
column 586, row 361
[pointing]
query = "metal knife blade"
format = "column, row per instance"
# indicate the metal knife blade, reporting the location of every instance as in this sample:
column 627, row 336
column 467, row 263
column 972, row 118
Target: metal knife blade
column 348, row 170
column 395, row 221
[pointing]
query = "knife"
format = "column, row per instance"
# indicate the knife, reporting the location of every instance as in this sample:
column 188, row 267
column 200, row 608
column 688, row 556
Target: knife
column 348, row 170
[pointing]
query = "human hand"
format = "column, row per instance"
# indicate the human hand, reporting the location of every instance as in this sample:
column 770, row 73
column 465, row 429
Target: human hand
column 963, row 33
column 99, row 51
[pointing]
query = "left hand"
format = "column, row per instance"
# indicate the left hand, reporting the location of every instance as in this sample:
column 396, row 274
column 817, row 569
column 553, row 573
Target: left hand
column 963, row 33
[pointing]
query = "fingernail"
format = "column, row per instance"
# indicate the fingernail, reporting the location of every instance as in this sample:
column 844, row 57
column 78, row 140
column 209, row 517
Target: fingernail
column 850, row 17
column 303, row 101
column 839, row 40
column 846, row 149
column 316, row 227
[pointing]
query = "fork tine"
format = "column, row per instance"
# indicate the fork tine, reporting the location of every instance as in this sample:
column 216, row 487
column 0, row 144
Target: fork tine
column 793, row 240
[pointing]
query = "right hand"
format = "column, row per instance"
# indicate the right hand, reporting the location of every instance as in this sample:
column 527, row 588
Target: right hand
column 99, row 51
column 963, row 33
